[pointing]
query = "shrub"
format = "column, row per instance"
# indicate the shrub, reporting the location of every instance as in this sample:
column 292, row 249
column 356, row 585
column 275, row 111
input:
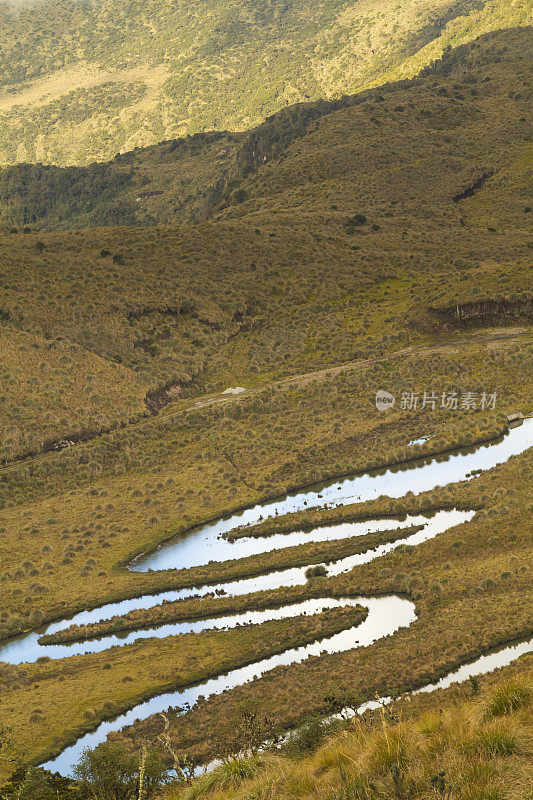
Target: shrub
column 354, row 222
column 318, row 571
column 36, row 786
column 311, row 734
column 108, row 771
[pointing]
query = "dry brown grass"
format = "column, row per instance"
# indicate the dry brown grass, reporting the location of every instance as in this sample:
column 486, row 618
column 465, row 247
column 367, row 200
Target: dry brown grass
column 442, row 745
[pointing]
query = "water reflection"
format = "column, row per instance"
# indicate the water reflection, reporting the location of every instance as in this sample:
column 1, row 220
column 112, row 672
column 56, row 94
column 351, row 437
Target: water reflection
column 385, row 614
column 27, row 648
column 205, row 544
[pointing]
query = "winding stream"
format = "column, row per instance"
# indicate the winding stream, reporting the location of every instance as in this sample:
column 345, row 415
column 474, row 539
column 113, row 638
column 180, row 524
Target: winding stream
column 385, row 614
column 27, row 649
column 204, row 544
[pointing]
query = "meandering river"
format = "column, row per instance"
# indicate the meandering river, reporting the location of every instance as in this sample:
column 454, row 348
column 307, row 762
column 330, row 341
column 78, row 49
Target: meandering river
column 385, row 614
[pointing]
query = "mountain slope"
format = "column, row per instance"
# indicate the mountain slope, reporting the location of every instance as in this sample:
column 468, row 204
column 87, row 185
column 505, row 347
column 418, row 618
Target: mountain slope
column 83, row 81
column 340, row 233
column 473, row 103
column 380, row 241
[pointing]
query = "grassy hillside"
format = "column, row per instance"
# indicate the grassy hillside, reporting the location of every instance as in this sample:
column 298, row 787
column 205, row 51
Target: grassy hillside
column 83, row 81
column 398, row 134
column 339, row 234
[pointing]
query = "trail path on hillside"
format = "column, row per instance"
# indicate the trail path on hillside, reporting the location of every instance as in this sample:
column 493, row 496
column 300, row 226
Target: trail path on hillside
column 492, row 339
column 302, row 379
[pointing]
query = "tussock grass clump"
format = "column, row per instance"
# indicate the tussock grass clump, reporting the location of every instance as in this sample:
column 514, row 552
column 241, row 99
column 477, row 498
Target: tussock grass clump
column 491, row 742
column 319, row 571
column 227, row 776
column 508, row 698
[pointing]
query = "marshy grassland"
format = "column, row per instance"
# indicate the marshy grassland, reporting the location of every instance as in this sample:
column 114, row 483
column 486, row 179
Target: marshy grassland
column 381, row 242
column 71, row 519
column 42, row 696
column 193, row 609
column 470, row 584
column 471, row 589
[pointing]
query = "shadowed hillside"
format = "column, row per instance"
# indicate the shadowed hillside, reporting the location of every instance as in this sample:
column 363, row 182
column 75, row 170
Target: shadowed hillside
column 462, row 126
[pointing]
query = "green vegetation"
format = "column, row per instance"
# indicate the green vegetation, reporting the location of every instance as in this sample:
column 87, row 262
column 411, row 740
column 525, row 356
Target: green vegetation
column 84, row 81
column 270, row 167
column 166, row 182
